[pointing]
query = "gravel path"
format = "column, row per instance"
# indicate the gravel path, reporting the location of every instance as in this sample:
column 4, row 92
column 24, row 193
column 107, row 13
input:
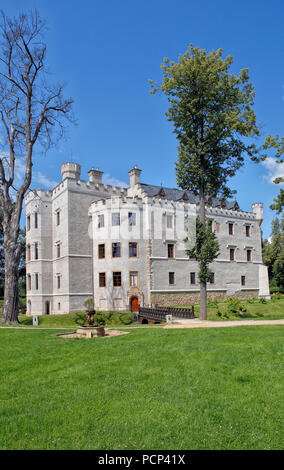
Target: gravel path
column 218, row 324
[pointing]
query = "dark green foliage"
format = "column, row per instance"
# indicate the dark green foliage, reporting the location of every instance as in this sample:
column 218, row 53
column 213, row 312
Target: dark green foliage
column 211, row 109
column 206, row 249
column 273, row 255
column 278, row 144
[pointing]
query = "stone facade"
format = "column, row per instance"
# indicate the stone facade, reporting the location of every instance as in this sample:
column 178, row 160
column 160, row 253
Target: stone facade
column 125, row 246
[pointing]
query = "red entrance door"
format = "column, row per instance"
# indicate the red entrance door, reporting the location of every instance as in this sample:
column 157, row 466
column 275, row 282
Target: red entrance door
column 134, row 304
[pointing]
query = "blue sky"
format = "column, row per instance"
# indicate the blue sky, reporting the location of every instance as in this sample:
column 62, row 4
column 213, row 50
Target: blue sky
column 106, row 52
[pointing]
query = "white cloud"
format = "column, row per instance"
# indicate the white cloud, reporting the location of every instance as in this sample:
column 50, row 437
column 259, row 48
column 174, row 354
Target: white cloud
column 275, row 170
column 107, row 179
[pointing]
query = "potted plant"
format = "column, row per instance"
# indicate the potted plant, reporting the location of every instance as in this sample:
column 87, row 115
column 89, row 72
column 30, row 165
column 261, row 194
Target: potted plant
column 90, row 311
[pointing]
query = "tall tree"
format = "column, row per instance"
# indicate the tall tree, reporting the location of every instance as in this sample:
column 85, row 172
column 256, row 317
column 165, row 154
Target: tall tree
column 273, row 255
column 277, row 144
column 32, row 111
column 212, row 112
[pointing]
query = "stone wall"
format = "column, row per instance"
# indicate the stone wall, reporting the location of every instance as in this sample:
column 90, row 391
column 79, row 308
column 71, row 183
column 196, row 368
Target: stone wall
column 167, row 299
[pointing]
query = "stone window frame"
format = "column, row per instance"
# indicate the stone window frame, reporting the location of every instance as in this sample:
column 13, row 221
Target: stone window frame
column 113, row 219
column 249, row 255
column 29, row 281
column 36, row 281
column 28, row 252
column 172, row 278
column 101, row 220
column 174, row 250
column 105, row 280
column 131, row 219
column 113, row 274
column 99, row 245
column 36, row 219
column 243, row 280
column 28, row 223
column 137, row 249
column 249, row 228
column 138, row 279
column 192, row 275
column 57, row 217
column 58, row 280
column 231, row 225
column 170, row 217
column 36, row 250
column 120, row 249
column 58, row 249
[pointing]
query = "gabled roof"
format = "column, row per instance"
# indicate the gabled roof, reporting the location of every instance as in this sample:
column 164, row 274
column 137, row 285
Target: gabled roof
column 173, row 194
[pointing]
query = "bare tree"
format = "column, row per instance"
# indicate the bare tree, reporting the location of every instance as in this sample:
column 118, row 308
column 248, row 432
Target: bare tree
column 31, row 111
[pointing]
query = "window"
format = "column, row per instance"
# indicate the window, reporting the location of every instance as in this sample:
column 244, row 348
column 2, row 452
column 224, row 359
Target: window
column 131, row 218
column 249, row 255
column 133, row 249
column 57, row 216
column 59, row 306
column 171, row 278
column 101, row 220
column 248, row 234
column 36, row 220
column 58, row 250
column 192, row 278
column 28, row 223
column 116, row 250
column 133, row 279
column 36, row 281
column 232, row 254
column 243, row 280
column 169, row 221
column 28, row 252
column 210, row 224
column 231, row 229
column 116, row 279
column 101, row 251
column 217, row 227
column 212, row 278
column 115, row 219
column 171, row 250
column 102, row 279
column 58, row 281
column 36, row 250
column 29, row 282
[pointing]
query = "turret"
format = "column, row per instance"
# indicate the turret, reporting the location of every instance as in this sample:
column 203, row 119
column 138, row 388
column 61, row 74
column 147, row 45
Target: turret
column 71, row 170
column 134, row 175
column 95, row 175
column 257, row 209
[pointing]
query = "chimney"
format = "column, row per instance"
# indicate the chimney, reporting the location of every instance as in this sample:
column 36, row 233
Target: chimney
column 134, row 175
column 70, row 170
column 257, row 209
column 95, row 175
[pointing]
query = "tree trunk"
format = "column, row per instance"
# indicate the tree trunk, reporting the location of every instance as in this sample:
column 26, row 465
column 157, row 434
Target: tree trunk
column 203, row 285
column 11, row 298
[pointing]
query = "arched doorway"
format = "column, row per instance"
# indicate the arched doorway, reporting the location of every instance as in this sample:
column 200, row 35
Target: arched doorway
column 47, row 307
column 134, row 304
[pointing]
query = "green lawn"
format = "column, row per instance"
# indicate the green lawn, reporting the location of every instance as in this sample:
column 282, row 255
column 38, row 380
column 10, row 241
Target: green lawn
column 256, row 310
column 219, row 388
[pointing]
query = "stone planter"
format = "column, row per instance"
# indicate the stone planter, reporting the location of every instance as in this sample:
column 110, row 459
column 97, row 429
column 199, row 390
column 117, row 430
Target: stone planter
column 90, row 331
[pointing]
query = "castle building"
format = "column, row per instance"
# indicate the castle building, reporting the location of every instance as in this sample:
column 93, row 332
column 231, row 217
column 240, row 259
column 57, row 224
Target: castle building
column 125, row 247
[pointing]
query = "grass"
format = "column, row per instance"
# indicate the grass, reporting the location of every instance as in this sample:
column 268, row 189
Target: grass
column 150, row 389
column 256, row 310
